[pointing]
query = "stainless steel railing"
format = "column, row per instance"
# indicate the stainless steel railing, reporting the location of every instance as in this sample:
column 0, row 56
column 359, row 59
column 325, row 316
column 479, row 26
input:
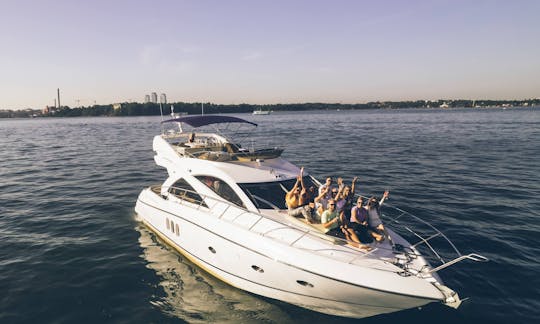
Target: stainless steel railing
column 436, row 246
column 401, row 223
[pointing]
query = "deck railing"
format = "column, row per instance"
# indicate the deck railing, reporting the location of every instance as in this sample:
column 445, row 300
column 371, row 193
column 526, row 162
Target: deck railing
column 395, row 219
column 432, row 244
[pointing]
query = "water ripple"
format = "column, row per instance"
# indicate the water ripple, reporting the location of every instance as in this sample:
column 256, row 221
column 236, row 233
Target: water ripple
column 72, row 251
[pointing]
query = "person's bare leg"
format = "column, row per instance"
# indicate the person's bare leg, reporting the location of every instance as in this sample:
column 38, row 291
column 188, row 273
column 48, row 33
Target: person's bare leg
column 355, row 238
column 378, row 237
column 348, row 237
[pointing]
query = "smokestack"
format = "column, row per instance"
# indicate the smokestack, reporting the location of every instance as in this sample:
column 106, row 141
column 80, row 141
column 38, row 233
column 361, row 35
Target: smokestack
column 58, row 92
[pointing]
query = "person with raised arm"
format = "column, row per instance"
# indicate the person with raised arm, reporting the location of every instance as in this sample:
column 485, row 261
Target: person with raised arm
column 298, row 201
column 375, row 224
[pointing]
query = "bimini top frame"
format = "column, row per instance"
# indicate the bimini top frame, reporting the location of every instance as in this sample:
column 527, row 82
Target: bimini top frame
column 218, row 124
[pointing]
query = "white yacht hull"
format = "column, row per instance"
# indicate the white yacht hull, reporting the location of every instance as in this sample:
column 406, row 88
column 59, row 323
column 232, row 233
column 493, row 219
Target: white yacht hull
column 268, row 267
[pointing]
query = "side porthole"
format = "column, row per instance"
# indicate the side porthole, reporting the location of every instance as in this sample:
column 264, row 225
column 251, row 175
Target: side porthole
column 211, row 249
column 258, row 269
column 168, row 224
column 177, row 229
column 304, row 283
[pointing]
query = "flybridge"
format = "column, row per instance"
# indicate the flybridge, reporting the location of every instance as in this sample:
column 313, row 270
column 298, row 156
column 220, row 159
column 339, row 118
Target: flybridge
column 221, row 141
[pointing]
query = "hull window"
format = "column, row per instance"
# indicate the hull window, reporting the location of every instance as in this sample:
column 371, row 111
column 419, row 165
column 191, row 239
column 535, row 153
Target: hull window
column 304, row 283
column 174, row 228
column 256, row 268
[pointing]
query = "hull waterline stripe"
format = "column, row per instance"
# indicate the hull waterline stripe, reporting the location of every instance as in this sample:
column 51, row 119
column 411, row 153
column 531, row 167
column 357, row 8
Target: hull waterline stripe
column 285, row 263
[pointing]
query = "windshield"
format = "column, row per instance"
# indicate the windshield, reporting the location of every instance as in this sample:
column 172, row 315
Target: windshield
column 271, row 195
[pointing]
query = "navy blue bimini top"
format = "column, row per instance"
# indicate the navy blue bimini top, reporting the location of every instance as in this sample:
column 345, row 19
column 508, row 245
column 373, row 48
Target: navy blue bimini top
column 203, row 120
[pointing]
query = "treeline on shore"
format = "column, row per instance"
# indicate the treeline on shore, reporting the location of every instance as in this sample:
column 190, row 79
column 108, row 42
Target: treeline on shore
column 149, row 109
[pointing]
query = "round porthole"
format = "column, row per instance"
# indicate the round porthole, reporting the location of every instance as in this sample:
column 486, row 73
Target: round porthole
column 254, row 267
column 211, row 249
column 304, row 283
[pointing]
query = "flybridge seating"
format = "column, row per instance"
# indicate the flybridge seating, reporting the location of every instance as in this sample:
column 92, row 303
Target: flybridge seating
column 213, row 145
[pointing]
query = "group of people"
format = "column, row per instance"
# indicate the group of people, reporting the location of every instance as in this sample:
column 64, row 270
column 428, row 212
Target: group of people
column 333, row 207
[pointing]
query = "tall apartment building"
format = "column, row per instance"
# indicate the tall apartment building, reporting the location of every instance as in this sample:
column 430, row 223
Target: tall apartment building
column 146, row 98
column 153, row 96
column 163, row 98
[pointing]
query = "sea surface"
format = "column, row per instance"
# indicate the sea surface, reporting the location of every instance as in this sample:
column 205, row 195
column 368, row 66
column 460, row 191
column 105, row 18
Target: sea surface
column 73, row 251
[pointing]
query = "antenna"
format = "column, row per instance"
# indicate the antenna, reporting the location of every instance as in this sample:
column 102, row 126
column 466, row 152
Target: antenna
column 161, row 110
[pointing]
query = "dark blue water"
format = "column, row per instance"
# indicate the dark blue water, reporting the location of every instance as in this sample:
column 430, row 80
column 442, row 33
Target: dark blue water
column 72, row 251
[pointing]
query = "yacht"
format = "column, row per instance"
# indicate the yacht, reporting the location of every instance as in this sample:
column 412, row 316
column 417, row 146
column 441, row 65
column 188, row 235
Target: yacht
column 261, row 112
column 177, row 114
column 222, row 206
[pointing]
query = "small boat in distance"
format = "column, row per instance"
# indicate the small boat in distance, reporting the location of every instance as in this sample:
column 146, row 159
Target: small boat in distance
column 223, row 207
column 261, row 112
column 444, row 105
column 178, row 114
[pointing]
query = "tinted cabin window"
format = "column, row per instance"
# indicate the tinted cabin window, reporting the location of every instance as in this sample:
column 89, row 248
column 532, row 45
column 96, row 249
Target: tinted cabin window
column 222, row 189
column 270, row 195
column 185, row 191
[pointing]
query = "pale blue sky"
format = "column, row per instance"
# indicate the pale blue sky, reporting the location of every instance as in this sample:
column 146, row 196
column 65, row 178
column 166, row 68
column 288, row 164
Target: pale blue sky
column 108, row 51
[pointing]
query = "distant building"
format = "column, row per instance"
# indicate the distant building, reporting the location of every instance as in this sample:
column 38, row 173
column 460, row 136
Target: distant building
column 48, row 110
column 117, row 106
column 146, row 98
column 153, row 96
column 163, row 98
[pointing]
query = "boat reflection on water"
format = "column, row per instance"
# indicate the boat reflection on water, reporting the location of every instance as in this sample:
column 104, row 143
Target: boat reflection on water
column 195, row 296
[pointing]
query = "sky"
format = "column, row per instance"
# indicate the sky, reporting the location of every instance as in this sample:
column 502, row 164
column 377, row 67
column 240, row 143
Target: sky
column 265, row 52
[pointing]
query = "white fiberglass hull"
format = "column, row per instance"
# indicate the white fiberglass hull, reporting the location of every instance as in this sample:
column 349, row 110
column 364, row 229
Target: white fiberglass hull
column 267, row 267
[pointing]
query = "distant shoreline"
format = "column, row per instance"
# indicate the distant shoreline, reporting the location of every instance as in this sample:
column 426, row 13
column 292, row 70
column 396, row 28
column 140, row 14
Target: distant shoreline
column 153, row 109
